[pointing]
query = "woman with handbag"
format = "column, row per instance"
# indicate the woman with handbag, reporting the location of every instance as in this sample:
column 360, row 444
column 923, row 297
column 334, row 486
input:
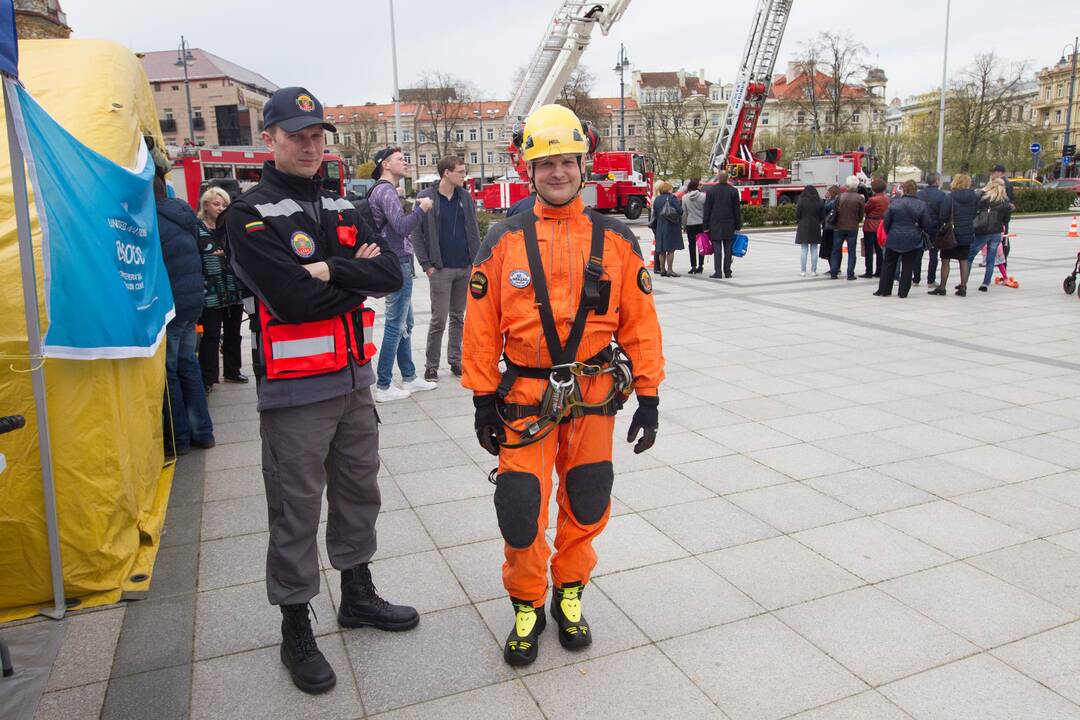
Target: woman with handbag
column 693, row 203
column 809, row 214
column 965, row 202
column 992, row 217
column 907, row 224
column 667, row 216
column 876, row 206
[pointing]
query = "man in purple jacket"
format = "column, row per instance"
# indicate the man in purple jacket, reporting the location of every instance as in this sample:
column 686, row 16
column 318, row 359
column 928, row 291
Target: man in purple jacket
column 395, row 226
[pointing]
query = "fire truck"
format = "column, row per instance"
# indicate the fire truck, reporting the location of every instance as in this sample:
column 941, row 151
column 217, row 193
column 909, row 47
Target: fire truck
column 235, row 169
column 758, row 175
column 618, row 181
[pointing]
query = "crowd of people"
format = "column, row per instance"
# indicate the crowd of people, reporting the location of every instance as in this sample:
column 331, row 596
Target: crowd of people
column 897, row 233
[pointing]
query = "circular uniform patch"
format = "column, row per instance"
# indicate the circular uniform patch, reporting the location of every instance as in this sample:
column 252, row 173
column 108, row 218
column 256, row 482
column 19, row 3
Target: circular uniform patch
column 519, row 279
column 478, row 285
column 305, row 102
column 302, row 244
column 644, row 281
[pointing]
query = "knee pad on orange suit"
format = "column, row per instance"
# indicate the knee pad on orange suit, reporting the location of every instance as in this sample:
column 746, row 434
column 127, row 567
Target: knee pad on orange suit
column 517, row 503
column 588, row 488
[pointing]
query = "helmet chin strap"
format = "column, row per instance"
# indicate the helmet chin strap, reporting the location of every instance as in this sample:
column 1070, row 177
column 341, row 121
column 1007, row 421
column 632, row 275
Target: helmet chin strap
column 562, row 204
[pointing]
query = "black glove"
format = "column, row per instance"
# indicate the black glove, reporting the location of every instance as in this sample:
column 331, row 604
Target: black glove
column 646, row 420
column 489, row 427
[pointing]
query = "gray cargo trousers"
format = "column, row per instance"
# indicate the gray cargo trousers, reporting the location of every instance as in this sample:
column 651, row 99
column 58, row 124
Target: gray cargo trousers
column 331, row 445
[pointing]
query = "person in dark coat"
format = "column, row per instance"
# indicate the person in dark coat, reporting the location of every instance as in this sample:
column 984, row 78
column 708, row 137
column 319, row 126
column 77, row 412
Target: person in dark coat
column 668, row 233
column 223, row 311
column 908, row 222
column 722, row 217
column 964, row 203
column 828, row 229
column 941, row 209
column 187, row 417
column 809, row 213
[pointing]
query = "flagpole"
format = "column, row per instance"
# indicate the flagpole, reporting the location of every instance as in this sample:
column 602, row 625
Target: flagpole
column 37, row 357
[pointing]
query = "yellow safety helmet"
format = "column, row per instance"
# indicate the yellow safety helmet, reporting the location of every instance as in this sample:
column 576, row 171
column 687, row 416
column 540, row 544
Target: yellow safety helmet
column 553, row 130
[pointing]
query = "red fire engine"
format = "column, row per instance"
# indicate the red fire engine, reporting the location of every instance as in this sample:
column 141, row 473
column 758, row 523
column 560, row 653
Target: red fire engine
column 619, row 181
column 235, row 169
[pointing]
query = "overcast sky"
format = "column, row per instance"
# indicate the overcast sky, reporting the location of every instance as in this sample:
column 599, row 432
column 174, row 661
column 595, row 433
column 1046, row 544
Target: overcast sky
column 341, row 50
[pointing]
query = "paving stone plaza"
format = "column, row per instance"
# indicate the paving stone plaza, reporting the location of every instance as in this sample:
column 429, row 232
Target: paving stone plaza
column 857, row 508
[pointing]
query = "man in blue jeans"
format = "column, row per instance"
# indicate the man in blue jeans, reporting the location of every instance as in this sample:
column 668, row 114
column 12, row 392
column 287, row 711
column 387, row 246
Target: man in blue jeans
column 395, row 227
column 186, row 416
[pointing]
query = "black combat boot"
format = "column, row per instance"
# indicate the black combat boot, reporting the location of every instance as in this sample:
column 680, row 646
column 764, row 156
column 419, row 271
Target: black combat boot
column 308, row 668
column 523, row 642
column 361, row 606
column 574, row 632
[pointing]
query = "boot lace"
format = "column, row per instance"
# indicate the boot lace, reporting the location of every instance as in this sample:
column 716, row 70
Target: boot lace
column 303, row 637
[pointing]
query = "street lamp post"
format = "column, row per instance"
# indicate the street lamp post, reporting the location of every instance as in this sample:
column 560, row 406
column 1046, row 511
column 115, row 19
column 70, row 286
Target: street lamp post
column 621, row 66
column 480, row 114
column 941, row 109
column 1072, row 90
column 183, row 57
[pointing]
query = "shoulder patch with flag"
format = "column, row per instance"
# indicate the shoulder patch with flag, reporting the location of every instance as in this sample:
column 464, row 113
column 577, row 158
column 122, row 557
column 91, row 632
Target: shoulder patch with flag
column 255, row 226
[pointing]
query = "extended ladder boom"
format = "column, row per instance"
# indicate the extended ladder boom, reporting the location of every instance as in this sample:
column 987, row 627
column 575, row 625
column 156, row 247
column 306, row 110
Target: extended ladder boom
column 736, row 135
column 564, row 41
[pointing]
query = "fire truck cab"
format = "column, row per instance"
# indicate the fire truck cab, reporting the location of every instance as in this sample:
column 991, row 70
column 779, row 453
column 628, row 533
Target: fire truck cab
column 235, row 169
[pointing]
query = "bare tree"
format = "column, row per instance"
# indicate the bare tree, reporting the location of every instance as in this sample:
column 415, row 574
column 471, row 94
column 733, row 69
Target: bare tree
column 443, row 101
column 577, row 95
column 831, row 91
column 675, row 134
column 360, row 137
column 974, row 105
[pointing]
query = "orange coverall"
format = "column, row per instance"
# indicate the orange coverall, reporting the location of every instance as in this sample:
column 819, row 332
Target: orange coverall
column 502, row 317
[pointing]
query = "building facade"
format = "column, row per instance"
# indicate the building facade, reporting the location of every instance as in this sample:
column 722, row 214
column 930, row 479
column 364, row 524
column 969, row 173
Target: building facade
column 1052, row 102
column 40, row 19
column 226, row 99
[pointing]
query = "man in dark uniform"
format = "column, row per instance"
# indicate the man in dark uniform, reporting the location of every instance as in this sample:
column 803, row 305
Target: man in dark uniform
column 310, row 262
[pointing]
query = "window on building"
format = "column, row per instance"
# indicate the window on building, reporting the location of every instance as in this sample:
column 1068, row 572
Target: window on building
column 1057, row 117
column 1047, row 94
column 490, row 157
column 203, row 85
column 373, row 136
column 828, row 117
column 421, row 137
column 1060, row 89
column 714, row 119
column 408, row 157
column 473, row 134
column 423, row 159
column 175, row 87
column 697, row 121
column 168, row 114
column 855, row 116
column 649, row 124
column 408, row 135
column 474, row 157
column 800, row 118
column 395, row 136
column 491, row 133
column 764, row 119
column 606, row 132
column 459, row 135
column 337, row 139
column 630, row 130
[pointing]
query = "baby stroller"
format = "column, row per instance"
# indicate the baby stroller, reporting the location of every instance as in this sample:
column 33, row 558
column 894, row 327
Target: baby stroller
column 1070, row 281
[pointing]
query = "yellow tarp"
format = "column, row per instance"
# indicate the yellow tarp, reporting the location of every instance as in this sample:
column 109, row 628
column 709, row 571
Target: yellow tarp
column 104, row 415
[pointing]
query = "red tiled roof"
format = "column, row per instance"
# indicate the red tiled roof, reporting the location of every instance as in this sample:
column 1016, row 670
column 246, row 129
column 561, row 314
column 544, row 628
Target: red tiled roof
column 493, row 110
column 659, row 79
column 782, row 89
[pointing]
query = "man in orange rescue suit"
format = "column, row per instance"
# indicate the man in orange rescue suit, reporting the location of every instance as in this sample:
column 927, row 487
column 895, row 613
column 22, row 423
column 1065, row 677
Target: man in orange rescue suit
column 310, row 262
column 561, row 294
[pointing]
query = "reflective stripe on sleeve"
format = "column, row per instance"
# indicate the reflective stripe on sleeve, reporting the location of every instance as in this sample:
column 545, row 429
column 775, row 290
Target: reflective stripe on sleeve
column 281, row 208
column 337, row 204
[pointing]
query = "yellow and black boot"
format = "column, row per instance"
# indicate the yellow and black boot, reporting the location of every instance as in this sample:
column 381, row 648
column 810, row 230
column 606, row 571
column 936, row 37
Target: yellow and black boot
column 523, row 642
column 574, row 632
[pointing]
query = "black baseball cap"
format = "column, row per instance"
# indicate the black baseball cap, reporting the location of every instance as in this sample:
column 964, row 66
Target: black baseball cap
column 293, row 109
column 998, row 168
column 380, row 156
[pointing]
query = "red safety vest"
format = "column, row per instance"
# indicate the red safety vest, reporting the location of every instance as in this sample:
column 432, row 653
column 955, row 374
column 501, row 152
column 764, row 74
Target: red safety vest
column 295, row 350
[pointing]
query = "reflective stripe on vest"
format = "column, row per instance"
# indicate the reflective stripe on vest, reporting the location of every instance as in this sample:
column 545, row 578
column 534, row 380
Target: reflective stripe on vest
column 292, row 349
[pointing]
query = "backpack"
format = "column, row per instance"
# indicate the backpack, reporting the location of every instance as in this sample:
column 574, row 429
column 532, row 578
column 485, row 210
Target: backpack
column 740, row 245
column 363, row 205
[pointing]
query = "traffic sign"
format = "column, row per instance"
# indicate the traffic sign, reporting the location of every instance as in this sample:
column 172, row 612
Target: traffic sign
column 1035, row 148
column 1066, row 160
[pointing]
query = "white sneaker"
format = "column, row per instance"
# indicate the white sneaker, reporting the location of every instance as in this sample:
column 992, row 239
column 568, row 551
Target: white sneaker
column 419, row 384
column 802, row 274
column 390, row 394
column 815, row 273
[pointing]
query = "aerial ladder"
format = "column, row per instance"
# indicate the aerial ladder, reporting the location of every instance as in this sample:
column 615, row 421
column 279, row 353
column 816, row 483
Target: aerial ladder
column 733, row 149
column 565, row 40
